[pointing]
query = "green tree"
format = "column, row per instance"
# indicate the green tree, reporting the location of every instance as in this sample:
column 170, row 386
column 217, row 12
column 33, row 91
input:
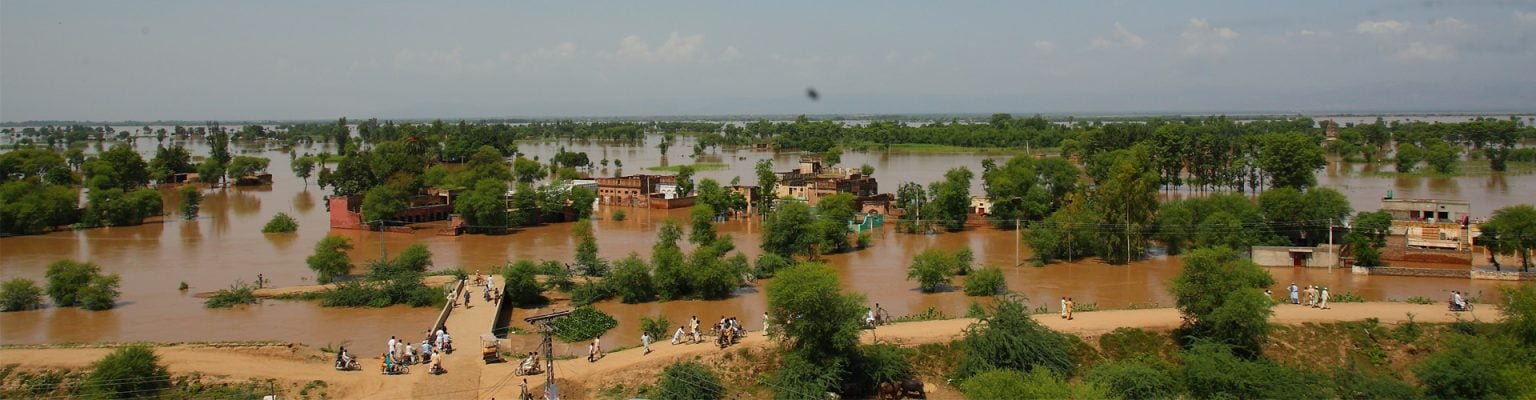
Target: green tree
column 211, row 171
column 281, row 223
column 668, row 259
column 1220, row 294
column 631, row 280
column 986, row 282
column 522, row 287
column 1442, row 156
column 527, row 171
column 586, row 250
column 66, row 278
column 787, row 231
column 415, row 257
column 823, row 323
column 243, row 166
column 100, row 293
column 832, row 216
column 689, row 380
column 1518, row 304
column 118, row 168
column 169, row 161
column 191, row 198
column 487, row 163
column 767, row 180
column 303, row 167
column 1211, row 371
column 1473, row 367
column 951, row 203
column 381, row 204
column 685, row 181
column 1291, row 159
column 1408, row 157
column 1512, row 230
column 28, row 207
column 1010, row 339
column 130, row 372
column 1135, row 379
column 931, row 269
column 582, row 200
column 702, row 219
column 484, row 208
column 20, row 294
column 1127, row 200
column 330, row 259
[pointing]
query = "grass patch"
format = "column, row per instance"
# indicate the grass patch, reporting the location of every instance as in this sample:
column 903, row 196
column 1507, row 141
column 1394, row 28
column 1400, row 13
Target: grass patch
column 1463, row 168
column 1419, row 300
column 931, row 314
column 703, row 166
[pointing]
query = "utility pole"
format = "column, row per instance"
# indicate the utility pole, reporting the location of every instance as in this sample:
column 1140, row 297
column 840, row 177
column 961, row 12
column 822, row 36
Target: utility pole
column 1017, row 237
column 1332, row 256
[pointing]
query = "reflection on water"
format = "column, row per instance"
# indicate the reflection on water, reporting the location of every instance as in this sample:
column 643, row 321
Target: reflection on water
column 225, row 244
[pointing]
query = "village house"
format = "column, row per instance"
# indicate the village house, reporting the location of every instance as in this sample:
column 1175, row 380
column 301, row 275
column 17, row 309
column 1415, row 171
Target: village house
column 811, row 182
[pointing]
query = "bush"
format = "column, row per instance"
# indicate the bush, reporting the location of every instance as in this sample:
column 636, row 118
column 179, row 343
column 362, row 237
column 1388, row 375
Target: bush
column 1519, row 308
column 237, row 293
column 1039, row 383
column 280, row 223
column 128, row 372
column 415, row 257
column 191, row 198
column 768, row 264
column 931, row 269
column 522, row 288
column 963, row 260
column 1354, row 384
column 688, row 380
column 864, row 239
column 330, row 259
column 986, row 282
column 1135, row 379
column 1419, row 300
column 618, row 215
column 880, row 363
column 631, row 278
column 590, row 292
column 1010, row 339
column 586, row 323
column 657, row 326
column 20, row 294
column 1129, row 343
column 799, row 378
column 100, row 294
column 1346, row 297
column 1220, row 292
column 66, row 278
column 1472, row 367
column 1212, row 371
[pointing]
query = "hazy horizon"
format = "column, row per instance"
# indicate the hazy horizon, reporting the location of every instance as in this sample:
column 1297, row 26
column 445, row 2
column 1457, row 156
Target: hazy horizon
column 289, row 61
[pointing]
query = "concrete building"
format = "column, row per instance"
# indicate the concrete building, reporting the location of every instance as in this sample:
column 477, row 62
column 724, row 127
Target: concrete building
column 1322, row 256
column 631, row 191
column 981, row 205
column 1433, row 211
column 810, row 182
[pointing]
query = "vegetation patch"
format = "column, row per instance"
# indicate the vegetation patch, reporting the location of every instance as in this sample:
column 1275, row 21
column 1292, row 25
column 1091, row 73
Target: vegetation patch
column 703, row 166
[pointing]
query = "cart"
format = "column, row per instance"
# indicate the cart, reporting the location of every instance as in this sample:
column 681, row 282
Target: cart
column 490, row 348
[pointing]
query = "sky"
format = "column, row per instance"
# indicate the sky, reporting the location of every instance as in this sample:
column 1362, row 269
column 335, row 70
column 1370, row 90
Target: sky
column 276, row 60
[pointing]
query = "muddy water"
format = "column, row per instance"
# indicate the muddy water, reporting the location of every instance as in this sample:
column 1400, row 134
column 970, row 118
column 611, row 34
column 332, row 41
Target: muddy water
column 225, row 245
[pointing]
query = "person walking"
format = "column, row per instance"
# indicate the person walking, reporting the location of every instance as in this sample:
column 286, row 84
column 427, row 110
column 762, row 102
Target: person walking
column 645, row 341
column 466, row 298
column 1295, row 299
column 1070, row 304
column 765, row 322
column 591, row 355
column 391, row 346
column 1324, row 299
column 1063, row 307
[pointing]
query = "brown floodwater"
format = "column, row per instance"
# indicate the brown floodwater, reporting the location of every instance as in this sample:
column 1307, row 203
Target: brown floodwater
column 225, row 245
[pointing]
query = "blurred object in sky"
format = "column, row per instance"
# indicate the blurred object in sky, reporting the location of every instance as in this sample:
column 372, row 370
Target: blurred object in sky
column 811, row 92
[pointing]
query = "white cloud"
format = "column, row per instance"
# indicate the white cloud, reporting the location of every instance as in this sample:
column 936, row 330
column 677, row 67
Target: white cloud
column 1450, row 24
column 1045, row 46
column 1420, row 51
column 1121, row 38
column 1387, row 27
column 1525, row 18
column 730, row 54
column 1200, row 38
column 676, row 48
column 632, row 47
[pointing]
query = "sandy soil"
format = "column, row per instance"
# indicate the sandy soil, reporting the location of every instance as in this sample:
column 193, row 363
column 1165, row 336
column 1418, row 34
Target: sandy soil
column 469, row 378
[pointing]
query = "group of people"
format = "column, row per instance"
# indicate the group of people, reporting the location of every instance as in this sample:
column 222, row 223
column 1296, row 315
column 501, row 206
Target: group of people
column 1066, row 308
column 728, row 331
column 1316, row 297
column 872, row 317
column 399, row 353
column 488, row 288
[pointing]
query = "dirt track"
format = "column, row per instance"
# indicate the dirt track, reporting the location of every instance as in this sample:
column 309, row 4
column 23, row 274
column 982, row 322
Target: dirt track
column 469, row 378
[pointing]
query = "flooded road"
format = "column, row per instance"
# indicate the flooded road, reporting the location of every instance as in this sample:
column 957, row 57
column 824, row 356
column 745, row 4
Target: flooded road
column 225, row 245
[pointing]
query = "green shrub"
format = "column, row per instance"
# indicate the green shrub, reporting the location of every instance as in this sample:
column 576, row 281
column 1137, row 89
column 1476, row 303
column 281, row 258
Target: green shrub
column 618, row 215
column 191, row 198
column 1419, row 300
column 1346, row 297
column 1220, row 291
column 128, row 372
column 657, row 326
column 799, row 378
column 522, row 287
column 1129, row 343
column 415, row 257
column 281, row 223
column 1213, row 371
column 100, row 294
column 986, row 282
column 1039, row 383
column 631, row 278
column 931, row 269
column 1011, row 339
column 768, row 264
column 66, row 278
column 584, row 324
column 1519, row 308
column 330, row 259
column 1355, row 384
column 1136, row 379
column 237, row 293
column 879, row 363
column 689, row 380
column 353, row 294
column 20, row 294
column 863, row 240
column 1471, row 367
column 589, row 292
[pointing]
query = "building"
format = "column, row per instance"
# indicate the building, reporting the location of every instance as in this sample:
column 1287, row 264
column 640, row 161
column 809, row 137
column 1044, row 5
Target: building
column 435, row 205
column 981, row 205
column 1432, row 211
column 1322, row 256
column 631, row 191
column 810, row 182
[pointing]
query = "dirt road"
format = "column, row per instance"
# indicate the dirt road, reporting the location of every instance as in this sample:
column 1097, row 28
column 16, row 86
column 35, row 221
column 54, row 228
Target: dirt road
column 468, row 377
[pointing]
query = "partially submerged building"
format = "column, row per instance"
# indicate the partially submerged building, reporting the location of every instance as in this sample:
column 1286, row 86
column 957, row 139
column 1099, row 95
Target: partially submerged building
column 810, row 182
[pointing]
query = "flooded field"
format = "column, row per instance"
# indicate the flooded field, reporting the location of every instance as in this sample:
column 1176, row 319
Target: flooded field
column 225, row 245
